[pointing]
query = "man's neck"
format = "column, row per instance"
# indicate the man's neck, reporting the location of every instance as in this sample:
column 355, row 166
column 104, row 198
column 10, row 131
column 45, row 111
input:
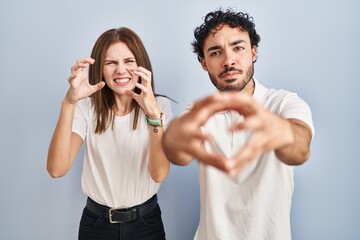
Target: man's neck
column 249, row 88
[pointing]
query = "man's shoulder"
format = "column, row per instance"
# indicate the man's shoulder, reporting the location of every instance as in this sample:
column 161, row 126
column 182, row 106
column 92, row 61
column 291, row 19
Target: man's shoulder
column 270, row 91
column 265, row 94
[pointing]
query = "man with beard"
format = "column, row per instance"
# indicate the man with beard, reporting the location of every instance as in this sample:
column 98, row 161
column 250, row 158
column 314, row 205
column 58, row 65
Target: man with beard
column 246, row 137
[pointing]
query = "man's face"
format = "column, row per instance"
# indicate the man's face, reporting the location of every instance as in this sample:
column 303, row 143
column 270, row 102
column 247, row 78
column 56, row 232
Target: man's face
column 228, row 58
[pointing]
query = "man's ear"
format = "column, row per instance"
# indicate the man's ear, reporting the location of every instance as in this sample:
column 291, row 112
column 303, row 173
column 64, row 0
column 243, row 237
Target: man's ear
column 203, row 63
column 254, row 53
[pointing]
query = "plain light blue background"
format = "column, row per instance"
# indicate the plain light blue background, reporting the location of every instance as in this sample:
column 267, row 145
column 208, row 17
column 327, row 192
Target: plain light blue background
column 309, row 47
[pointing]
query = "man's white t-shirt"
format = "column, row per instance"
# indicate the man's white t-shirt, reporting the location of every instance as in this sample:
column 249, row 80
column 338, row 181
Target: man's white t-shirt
column 255, row 204
column 115, row 168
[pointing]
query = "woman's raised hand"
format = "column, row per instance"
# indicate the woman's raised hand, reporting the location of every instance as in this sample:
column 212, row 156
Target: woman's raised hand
column 79, row 81
column 146, row 98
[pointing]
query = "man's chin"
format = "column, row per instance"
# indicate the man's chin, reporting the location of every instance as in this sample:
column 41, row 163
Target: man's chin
column 230, row 80
column 230, row 87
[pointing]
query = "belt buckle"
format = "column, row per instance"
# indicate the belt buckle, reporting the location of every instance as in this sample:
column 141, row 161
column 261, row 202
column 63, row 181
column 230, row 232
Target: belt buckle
column 110, row 216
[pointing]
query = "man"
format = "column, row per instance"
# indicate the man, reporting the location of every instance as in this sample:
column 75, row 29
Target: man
column 247, row 138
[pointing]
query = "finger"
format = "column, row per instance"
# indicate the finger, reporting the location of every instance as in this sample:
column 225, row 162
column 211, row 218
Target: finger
column 252, row 123
column 72, row 77
column 142, row 87
column 225, row 101
column 78, row 66
column 130, row 93
column 86, row 60
column 145, row 76
column 204, row 108
column 143, row 71
column 144, row 80
column 96, row 87
column 192, row 144
column 200, row 136
column 211, row 159
column 82, row 63
column 214, row 145
column 240, row 161
column 99, row 86
column 255, row 146
column 190, row 133
column 242, row 103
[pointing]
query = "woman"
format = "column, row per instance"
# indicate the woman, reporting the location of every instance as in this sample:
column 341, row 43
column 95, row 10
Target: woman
column 115, row 112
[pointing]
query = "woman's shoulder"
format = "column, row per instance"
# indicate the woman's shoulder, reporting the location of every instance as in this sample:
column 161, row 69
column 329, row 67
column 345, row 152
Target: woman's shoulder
column 162, row 99
column 164, row 103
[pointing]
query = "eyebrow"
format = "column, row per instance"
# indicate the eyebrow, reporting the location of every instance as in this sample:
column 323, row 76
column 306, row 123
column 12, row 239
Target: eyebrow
column 113, row 60
column 216, row 47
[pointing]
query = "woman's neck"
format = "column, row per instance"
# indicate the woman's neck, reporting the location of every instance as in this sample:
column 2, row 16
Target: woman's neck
column 123, row 105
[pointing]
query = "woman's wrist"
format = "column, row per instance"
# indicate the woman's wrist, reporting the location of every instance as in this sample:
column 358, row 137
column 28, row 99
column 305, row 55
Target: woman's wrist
column 156, row 114
column 154, row 123
column 68, row 102
column 69, row 99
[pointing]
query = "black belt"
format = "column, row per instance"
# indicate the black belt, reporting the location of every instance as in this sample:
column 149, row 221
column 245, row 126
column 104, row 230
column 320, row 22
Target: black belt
column 116, row 215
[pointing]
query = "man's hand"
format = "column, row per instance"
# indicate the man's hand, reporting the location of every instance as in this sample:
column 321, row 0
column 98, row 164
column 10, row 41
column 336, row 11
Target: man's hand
column 289, row 139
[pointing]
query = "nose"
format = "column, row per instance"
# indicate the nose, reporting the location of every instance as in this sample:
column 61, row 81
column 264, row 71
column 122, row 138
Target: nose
column 229, row 58
column 120, row 68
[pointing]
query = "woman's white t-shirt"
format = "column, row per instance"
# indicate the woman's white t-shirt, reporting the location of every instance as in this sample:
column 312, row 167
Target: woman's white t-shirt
column 115, row 169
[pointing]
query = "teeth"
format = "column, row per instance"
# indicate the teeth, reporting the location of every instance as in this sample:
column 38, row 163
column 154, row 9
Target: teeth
column 123, row 80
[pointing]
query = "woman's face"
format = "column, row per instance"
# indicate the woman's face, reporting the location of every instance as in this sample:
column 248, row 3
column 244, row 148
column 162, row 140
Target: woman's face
column 118, row 68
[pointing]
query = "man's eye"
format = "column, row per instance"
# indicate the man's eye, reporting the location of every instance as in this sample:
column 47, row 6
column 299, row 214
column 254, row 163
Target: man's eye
column 110, row 63
column 214, row 53
column 238, row 48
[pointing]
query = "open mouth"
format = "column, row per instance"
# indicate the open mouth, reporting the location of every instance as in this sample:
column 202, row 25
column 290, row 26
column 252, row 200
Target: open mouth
column 122, row 81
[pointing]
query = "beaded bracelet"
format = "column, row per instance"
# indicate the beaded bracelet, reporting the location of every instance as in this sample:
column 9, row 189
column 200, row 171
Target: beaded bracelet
column 155, row 122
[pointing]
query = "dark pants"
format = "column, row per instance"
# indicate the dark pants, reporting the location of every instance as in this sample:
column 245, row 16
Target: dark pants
column 148, row 227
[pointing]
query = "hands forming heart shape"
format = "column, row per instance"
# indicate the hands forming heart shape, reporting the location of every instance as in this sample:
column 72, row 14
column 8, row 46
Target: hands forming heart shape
column 269, row 132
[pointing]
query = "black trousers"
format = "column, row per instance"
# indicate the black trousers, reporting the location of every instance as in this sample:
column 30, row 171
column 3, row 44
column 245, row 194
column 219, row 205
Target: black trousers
column 148, row 227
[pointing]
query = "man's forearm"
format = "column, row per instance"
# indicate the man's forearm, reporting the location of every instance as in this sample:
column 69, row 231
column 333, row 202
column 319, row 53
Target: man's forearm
column 172, row 150
column 299, row 151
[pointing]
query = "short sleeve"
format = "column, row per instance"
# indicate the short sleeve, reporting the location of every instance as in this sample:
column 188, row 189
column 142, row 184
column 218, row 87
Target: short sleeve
column 292, row 106
column 79, row 122
column 165, row 107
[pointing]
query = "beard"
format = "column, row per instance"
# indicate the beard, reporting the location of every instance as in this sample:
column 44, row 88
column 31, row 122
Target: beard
column 233, row 87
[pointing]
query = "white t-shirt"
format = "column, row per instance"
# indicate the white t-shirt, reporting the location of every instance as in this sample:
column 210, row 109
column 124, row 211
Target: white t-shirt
column 115, row 169
column 255, row 205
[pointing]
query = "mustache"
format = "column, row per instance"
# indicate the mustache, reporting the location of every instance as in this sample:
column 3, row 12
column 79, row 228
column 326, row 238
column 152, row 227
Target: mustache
column 229, row 69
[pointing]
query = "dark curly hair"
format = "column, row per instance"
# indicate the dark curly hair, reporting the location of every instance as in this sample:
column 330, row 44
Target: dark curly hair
column 241, row 20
